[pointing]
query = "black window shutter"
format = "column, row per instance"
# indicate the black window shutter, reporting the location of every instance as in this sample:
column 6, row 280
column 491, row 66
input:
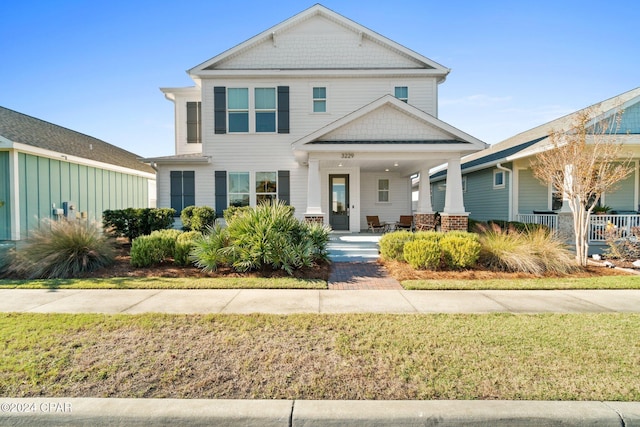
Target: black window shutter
column 193, row 122
column 176, row 191
column 220, row 109
column 188, row 188
column 283, row 109
column 221, row 192
column 284, row 192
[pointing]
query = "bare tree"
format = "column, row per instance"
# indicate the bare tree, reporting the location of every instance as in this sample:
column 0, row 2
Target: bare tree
column 582, row 163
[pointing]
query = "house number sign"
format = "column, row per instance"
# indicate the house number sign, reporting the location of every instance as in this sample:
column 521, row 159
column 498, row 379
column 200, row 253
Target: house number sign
column 347, row 155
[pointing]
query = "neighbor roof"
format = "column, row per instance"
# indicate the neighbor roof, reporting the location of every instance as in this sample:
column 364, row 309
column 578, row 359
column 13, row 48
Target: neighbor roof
column 530, row 141
column 24, row 129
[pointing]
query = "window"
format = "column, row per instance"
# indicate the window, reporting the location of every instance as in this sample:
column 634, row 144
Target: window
column 182, row 190
column 498, row 179
column 383, row 190
column 238, row 107
column 319, row 99
column 266, row 187
column 238, row 189
column 402, row 93
column 265, row 107
column 194, row 123
column 464, row 184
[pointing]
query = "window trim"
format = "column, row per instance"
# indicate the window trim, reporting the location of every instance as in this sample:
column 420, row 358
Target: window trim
column 379, row 191
column 238, row 110
column 315, row 99
column 395, row 93
column 497, row 172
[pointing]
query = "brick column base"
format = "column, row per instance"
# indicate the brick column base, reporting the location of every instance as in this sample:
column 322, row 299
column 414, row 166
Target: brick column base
column 424, row 222
column 314, row 219
column 454, row 222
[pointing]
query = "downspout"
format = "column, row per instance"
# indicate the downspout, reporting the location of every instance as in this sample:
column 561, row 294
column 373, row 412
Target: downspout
column 502, row 168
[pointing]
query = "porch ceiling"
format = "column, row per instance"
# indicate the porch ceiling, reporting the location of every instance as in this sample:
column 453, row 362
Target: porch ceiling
column 397, row 164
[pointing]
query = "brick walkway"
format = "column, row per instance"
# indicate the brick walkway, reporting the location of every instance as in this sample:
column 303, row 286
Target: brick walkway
column 359, row 276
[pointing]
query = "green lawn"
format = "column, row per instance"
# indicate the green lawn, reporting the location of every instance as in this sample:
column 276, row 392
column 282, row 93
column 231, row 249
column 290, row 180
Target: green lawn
column 168, row 283
column 364, row 356
column 603, row 282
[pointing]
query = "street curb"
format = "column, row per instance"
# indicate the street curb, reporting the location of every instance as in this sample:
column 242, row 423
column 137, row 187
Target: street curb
column 293, row 413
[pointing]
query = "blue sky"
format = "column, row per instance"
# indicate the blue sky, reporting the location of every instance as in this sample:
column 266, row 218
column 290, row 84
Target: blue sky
column 96, row 66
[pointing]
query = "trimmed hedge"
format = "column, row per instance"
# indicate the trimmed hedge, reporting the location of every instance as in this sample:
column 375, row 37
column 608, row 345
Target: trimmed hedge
column 132, row 222
column 183, row 246
column 392, row 244
column 197, row 218
column 423, row 253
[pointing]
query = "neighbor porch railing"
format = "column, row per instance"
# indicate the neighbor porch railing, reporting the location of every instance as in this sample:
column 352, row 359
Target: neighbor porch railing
column 550, row 220
column 619, row 225
column 599, row 225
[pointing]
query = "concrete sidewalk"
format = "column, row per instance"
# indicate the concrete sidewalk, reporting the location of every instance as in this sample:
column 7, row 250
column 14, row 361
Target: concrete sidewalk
column 289, row 301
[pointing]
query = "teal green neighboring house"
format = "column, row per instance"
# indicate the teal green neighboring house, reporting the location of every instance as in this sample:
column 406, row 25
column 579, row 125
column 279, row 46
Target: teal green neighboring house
column 498, row 182
column 48, row 171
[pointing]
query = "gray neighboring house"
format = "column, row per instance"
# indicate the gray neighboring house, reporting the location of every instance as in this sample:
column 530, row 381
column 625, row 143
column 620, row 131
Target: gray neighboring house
column 48, row 171
column 498, row 182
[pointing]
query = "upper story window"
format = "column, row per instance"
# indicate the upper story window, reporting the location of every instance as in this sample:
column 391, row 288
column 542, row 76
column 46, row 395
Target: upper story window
column 319, row 99
column 402, row 93
column 265, row 108
column 259, row 109
column 383, row 190
column 238, row 108
column 194, row 123
column 498, row 179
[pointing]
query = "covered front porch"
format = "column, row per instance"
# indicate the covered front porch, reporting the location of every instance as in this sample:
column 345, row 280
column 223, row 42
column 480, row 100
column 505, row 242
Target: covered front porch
column 363, row 164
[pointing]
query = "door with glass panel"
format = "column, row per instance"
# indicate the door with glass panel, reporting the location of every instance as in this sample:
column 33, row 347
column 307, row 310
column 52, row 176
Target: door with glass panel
column 339, row 202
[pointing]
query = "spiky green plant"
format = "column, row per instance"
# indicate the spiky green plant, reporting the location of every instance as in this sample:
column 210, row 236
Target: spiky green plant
column 211, row 249
column 63, row 249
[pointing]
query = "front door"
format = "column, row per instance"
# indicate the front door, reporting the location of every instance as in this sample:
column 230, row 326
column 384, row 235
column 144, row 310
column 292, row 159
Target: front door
column 339, row 202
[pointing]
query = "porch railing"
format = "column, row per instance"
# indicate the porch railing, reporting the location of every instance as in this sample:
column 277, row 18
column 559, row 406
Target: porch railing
column 618, row 225
column 599, row 225
column 549, row 220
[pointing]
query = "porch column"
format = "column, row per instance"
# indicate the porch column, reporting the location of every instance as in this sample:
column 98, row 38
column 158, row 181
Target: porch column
column 425, row 218
column 454, row 216
column 314, row 193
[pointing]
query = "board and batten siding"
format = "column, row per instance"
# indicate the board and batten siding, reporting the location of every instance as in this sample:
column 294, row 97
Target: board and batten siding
column 482, row 201
column 5, row 202
column 533, row 195
column 45, row 182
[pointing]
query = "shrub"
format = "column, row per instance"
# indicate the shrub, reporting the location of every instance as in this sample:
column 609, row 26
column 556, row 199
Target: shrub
column 211, row 249
column 232, row 211
column 434, row 236
column 132, row 222
column 422, row 253
column 267, row 236
column 197, row 218
column 63, row 249
column 183, row 246
column 154, row 248
column 460, row 250
column 392, row 244
column 146, row 251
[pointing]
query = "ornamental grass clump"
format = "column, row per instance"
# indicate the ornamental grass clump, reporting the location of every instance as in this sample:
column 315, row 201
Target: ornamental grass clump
column 62, row 249
column 536, row 251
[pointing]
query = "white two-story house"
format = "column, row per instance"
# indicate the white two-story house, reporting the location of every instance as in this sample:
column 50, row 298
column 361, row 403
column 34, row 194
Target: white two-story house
column 322, row 113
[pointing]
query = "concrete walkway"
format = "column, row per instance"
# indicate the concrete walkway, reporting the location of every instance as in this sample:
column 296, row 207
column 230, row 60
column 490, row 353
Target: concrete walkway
column 288, row 301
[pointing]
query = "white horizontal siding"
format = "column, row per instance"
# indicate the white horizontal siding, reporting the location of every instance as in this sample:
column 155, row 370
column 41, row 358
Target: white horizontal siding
column 399, row 197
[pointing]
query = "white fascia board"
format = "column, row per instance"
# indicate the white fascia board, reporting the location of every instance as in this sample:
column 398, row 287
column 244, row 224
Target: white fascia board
column 171, row 92
column 168, row 161
column 311, row 72
column 28, row 149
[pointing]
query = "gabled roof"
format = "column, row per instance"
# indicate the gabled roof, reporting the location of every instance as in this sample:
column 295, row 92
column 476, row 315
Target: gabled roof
column 443, row 133
column 19, row 128
column 533, row 140
column 360, row 33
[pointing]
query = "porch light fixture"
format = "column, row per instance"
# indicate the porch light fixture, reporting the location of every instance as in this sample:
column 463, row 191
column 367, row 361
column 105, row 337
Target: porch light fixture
column 395, row 164
column 386, row 170
column 340, row 164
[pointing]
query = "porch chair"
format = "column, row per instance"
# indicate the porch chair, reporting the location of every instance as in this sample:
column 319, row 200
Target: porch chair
column 405, row 223
column 374, row 224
